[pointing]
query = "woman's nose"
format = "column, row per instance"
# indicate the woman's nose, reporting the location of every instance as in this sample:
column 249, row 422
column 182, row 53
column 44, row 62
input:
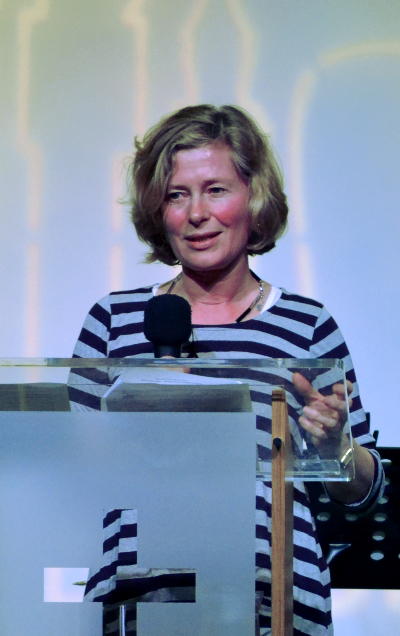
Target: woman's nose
column 198, row 210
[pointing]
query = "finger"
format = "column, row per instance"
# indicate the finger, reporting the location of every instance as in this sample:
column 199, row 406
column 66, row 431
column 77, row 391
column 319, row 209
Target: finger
column 338, row 403
column 339, row 388
column 329, row 413
column 326, row 419
column 333, row 403
column 327, row 406
column 304, row 387
column 317, row 433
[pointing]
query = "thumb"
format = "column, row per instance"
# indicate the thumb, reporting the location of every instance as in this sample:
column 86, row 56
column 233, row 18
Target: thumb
column 305, row 388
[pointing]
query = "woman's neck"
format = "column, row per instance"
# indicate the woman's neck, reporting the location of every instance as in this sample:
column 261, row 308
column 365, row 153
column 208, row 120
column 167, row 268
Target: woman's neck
column 214, row 288
column 220, row 297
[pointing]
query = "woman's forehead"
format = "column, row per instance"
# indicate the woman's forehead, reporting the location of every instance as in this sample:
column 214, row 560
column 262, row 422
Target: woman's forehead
column 212, row 157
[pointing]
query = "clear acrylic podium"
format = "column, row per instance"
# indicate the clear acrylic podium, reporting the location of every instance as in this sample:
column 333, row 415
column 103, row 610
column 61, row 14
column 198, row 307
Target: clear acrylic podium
column 179, row 445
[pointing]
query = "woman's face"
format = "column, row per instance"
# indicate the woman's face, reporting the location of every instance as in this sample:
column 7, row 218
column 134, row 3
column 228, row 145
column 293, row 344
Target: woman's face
column 206, row 216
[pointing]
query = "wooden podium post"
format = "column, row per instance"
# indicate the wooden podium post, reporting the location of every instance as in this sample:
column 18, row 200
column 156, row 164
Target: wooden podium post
column 282, row 520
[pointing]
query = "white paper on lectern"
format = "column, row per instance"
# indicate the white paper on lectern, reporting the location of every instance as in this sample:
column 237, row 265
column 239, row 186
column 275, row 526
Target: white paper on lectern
column 164, row 375
column 143, row 388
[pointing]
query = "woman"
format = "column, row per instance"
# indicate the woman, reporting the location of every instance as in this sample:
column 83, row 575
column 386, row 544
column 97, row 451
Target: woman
column 206, row 193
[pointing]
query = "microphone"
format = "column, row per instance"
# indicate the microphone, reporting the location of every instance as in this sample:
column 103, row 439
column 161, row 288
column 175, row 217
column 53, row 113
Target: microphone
column 167, row 324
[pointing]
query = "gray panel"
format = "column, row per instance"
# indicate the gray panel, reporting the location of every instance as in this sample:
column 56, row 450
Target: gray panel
column 192, row 479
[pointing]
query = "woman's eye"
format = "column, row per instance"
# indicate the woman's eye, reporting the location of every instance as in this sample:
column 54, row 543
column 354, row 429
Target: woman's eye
column 216, row 190
column 174, row 196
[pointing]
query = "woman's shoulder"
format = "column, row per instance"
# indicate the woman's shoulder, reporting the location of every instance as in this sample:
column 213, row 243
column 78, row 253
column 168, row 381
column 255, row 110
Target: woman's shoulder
column 125, row 299
column 288, row 297
column 132, row 294
column 289, row 304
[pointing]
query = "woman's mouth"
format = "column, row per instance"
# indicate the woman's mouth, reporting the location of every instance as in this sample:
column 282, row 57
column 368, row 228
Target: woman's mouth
column 202, row 240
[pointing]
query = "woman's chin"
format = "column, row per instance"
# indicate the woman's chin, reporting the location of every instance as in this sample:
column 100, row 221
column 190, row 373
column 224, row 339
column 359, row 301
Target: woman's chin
column 209, row 264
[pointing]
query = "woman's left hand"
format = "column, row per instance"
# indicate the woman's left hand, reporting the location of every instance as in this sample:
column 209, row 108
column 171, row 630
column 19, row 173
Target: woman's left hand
column 323, row 415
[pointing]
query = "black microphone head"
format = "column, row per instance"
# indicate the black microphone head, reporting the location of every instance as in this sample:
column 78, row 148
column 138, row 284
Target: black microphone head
column 167, row 323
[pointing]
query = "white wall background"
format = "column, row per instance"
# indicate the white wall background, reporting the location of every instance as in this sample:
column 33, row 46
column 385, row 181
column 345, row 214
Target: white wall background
column 80, row 79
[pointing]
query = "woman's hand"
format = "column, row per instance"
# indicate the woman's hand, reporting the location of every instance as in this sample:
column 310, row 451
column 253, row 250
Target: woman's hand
column 323, row 415
column 323, row 418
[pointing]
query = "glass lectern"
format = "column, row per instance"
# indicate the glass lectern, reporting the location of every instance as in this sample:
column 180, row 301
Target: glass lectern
column 174, row 447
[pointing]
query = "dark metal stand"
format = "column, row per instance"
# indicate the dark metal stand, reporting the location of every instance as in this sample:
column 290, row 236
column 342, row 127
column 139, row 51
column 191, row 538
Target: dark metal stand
column 363, row 549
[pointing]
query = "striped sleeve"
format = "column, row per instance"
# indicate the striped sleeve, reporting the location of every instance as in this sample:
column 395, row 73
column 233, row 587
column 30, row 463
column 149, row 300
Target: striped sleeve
column 328, row 342
column 87, row 386
column 94, row 336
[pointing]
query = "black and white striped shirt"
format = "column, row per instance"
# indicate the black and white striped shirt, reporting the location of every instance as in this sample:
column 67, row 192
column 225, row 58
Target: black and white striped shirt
column 293, row 327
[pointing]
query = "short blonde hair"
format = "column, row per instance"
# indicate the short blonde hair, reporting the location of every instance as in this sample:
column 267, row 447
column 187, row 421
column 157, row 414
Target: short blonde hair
column 191, row 127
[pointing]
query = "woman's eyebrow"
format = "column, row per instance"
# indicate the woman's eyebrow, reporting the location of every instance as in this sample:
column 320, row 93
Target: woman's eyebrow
column 206, row 182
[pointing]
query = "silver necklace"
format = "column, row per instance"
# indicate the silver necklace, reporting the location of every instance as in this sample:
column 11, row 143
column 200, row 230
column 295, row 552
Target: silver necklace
column 246, row 312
